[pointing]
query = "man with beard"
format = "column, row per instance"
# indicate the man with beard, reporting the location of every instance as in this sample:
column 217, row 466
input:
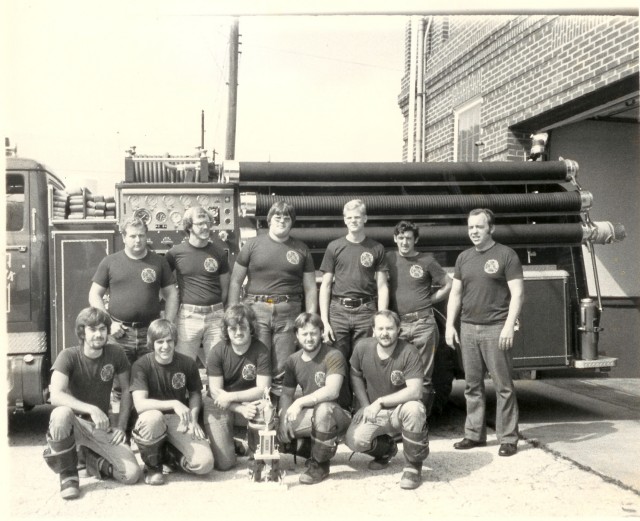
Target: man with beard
column 239, row 371
column 81, row 382
column 387, row 375
column 281, row 278
column 488, row 287
column 203, row 280
column 354, row 278
column 320, row 414
column 167, row 394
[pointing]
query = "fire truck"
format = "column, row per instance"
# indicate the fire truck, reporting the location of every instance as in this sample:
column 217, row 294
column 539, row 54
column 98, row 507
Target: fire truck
column 55, row 240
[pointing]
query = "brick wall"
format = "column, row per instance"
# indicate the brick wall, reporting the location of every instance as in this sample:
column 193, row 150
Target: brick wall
column 521, row 66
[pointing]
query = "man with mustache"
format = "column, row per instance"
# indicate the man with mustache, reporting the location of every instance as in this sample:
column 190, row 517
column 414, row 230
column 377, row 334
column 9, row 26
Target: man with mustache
column 387, row 376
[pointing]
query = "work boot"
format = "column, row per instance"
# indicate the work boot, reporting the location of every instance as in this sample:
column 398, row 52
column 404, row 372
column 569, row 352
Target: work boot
column 384, row 448
column 152, row 454
column 153, row 475
column 96, row 465
column 411, row 476
column 315, row 472
column 62, row 458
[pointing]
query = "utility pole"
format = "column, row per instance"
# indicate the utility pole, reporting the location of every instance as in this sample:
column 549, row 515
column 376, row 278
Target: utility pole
column 233, row 90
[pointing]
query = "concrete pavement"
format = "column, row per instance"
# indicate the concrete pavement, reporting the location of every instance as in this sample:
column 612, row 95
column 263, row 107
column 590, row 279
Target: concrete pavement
column 594, row 423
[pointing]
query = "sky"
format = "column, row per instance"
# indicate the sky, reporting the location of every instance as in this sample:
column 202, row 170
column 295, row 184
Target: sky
column 83, row 84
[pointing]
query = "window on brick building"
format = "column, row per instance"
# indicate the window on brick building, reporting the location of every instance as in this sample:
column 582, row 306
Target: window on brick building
column 467, row 131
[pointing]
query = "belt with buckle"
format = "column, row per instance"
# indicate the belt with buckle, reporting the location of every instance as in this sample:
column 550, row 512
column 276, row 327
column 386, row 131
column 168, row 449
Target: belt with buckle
column 354, row 302
column 202, row 309
column 273, row 299
column 136, row 325
column 416, row 315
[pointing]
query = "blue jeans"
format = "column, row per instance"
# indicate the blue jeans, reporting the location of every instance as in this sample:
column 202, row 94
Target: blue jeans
column 329, row 417
column 64, row 422
column 198, row 325
column 275, row 328
column 480, row 354
column 423, row 334
column 134, row 342
column 350, row 325
column 154, row 424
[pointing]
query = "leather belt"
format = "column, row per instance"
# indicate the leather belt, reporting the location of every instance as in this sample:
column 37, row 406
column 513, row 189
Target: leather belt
column 136, row 325
column 353, row 302
column 416, row 315
column 202, row 309
column 273, row 299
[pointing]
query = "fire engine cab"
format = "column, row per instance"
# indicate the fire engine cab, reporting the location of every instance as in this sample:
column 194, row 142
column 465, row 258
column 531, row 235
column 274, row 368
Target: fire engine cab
column 55, row 240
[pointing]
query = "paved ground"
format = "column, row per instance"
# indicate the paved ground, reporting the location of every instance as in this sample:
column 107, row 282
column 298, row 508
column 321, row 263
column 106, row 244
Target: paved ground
column 553, row 476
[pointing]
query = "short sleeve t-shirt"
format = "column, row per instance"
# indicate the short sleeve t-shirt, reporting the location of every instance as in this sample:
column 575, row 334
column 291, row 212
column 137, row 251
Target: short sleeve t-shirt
column 134, row 285
column 311, row 375
column 198, row 271
column 174, row 381
column 485, row 276
column 383, row 377
column 410, row 280
column 354, row 266
column 275, row 268
column 91, row 379
column 239, row 372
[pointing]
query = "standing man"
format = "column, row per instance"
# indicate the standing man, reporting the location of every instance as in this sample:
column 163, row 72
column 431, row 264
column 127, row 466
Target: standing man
column 135, row 277
column 81, row 382
column 203, row 281
column 321, row 412
column 488, row 288
column 239, row 370
column 411, row 276
column 167, row 394
column 387, row 376
column 354, row 274
column 281, row 276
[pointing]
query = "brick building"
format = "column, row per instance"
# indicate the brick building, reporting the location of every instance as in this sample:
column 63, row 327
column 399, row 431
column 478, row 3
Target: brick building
column 484, row 84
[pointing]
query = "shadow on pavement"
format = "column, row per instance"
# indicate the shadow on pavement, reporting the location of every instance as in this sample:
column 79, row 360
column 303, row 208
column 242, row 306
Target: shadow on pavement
column 569, row 432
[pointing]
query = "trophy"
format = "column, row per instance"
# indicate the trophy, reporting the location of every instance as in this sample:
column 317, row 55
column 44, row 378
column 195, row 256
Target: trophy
column 266, row 457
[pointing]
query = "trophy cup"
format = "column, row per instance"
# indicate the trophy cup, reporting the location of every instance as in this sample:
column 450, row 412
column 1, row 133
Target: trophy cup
column 266, row 458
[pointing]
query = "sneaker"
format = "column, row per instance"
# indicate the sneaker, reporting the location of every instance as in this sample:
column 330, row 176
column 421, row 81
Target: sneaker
column 153, row 475
column 411, row 478
column 381, row 462
column 69, row 485
column 315, row 472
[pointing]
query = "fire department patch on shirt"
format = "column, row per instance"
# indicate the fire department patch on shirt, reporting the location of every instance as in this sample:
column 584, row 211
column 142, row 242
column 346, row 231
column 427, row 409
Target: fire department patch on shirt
column 416, row 271
column 491, row 266
column 293, row 257
column 249, row 372
column 148, row 275
column 320, row 378
column 397, row 378
column 106, row 373
column 366, row 259
column 178, row 381
column 211, row 265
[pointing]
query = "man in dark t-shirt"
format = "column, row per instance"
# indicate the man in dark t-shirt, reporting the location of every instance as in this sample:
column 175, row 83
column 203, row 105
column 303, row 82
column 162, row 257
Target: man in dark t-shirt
column 239, row 371
column 202, row 270
column 167, row 394
column 81, row 382
column 411, row 277
column 321, row 413
column 280, row 284
column 135, row 278
column 387, row 375
column 354, row 282
column 488, row 287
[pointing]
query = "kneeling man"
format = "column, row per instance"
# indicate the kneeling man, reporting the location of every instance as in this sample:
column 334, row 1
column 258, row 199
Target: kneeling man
column 321, row 412
column 387, row 375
